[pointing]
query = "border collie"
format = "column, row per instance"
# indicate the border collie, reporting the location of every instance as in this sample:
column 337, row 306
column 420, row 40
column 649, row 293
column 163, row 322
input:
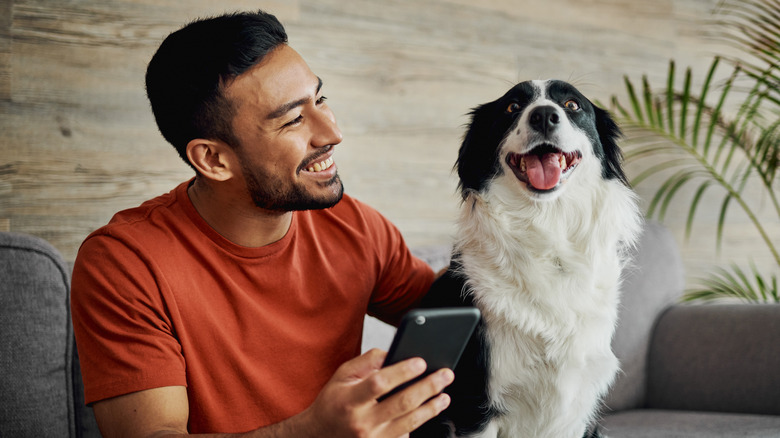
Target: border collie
column 546, row 220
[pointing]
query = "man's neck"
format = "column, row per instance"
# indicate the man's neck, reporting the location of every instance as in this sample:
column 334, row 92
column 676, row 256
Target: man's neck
column 236, row 218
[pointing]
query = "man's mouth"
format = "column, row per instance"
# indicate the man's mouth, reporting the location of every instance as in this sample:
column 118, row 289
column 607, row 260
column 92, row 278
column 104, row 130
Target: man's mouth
column 544, row 167
column 321, row 165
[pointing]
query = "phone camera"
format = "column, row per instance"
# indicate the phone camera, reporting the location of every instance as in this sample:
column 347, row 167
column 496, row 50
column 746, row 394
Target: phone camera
column 420, row 320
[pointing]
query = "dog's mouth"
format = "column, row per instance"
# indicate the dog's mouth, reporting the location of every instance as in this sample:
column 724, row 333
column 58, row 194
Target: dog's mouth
column 545, row 167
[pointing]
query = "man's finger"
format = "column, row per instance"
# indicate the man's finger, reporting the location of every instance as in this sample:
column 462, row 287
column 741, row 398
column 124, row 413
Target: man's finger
column 419, row 416
column 362, row 366
column 414, row 395
column 386, row 379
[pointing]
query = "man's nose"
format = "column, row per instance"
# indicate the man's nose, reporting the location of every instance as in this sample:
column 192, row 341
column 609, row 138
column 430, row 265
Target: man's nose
column 327, row 131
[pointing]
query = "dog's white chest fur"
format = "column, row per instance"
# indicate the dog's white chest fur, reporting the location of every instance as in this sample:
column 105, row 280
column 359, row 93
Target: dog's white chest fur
column 546, row 277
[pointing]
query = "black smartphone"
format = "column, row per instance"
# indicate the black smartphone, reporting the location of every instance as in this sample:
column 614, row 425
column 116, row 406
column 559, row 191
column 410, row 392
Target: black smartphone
column 439, row 336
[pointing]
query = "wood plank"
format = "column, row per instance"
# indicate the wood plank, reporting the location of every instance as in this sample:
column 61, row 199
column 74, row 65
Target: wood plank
column 5, row 49
column 79, row 141
column 126, row 24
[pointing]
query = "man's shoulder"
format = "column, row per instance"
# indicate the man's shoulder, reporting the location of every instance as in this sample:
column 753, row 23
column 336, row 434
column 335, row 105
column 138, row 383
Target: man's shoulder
column 143, row 219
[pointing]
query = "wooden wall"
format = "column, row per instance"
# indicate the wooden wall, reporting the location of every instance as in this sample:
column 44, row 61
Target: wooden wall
column 79, row 143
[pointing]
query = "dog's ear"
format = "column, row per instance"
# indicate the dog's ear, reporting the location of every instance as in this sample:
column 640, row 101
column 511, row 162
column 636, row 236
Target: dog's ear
column 609, row 134
column 478, row 156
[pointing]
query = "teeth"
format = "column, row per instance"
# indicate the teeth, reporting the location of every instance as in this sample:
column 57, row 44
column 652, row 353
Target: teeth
column 322, row 165
column 563, row 161
column 522, row 164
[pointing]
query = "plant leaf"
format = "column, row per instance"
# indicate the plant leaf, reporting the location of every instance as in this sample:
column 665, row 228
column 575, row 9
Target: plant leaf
column 686, row 96
column 652, row 170
column 670, row 96
column 734, row 283
column 715, row 117
column 722, row 221
column 702, row 99
column 671, row 190
column 647, row 98
column 694, row 204
column 634, row 99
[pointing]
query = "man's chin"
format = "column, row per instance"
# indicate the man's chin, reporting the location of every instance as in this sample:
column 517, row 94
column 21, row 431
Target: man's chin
column 334, row 192
column 329, row 195
column 336, row 196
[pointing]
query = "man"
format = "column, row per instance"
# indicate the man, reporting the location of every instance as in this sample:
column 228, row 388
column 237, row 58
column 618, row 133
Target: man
column 235, row 302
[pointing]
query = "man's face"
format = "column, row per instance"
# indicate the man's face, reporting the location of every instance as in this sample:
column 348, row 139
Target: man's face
column 287, row 134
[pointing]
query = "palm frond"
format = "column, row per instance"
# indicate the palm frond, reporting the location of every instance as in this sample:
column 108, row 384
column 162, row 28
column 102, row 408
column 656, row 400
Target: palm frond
column 735, row 283
column 726, row 156
column 717, row 149
column 753, row 27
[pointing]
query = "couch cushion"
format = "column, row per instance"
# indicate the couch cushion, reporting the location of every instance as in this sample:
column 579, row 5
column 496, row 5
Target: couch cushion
column 680, row 424
column 36, row 345
column 719, row 357
column 654, row 281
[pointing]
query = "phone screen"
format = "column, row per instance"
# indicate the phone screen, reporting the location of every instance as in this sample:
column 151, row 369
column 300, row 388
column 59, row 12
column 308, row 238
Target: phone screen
column 439, row 336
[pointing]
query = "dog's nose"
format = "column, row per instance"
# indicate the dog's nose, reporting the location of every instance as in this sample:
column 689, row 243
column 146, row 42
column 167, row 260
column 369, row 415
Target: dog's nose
column 544, row 119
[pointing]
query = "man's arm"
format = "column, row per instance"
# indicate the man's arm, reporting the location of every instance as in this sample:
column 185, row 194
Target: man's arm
column 346, row 406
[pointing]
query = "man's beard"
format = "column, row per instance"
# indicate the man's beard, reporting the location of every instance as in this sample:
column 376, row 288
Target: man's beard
column 272, row 194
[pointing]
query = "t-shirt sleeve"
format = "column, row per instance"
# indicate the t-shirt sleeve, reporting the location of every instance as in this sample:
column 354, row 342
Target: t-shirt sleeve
column 403, row 278
column 124, row 334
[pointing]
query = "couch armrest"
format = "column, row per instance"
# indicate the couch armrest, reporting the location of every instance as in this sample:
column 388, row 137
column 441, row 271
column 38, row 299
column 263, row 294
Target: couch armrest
column 723, row 358
column 36, row 339
column 653, row 281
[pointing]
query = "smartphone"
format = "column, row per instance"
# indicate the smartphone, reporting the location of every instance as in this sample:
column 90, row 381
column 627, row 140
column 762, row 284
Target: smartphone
column 439, row 336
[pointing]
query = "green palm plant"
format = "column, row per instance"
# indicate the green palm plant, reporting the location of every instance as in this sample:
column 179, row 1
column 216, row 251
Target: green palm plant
column 699, row 138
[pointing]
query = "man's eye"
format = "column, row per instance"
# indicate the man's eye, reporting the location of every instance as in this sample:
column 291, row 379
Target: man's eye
column 321, row 100
column 294, row 122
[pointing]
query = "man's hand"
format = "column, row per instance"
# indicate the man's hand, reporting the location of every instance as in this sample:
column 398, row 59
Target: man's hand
column 347, row 406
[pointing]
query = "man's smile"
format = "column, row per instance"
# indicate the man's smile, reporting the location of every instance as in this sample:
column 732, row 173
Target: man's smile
column 322, row 165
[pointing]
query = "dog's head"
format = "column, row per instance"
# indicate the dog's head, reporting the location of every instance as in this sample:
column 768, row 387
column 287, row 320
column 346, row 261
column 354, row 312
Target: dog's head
column 542, row 134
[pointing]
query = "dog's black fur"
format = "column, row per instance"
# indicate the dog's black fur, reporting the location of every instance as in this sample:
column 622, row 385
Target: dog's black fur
column 469, row 409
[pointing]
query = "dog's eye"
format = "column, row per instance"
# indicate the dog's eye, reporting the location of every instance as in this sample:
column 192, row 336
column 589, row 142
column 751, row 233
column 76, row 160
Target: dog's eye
column 513, row 107
column 572, row 105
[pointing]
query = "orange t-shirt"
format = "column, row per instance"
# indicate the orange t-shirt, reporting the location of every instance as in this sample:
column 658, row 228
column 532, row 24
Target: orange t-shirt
column 161, row 299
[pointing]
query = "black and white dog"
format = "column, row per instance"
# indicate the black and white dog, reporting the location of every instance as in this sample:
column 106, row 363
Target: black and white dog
column 546, row 219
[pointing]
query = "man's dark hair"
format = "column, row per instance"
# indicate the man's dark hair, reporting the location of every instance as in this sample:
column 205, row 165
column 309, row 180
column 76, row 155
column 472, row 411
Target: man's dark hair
column 185, row 79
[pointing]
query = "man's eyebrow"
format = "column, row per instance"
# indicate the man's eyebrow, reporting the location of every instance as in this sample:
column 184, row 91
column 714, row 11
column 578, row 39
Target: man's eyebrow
column 282, row 110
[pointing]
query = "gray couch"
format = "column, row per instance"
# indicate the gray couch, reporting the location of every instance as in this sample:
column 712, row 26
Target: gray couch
column 42, row 393
column 688, row 371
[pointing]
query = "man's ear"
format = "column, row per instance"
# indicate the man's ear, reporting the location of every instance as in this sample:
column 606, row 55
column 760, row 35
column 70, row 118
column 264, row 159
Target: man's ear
column 211, row 158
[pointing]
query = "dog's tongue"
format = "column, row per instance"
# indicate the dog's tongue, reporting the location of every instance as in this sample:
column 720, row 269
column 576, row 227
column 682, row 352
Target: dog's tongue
column 544, row 171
